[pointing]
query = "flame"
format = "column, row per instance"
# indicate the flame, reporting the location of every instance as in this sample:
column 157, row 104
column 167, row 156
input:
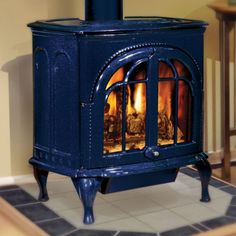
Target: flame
column 130, row 109
column 140, row 98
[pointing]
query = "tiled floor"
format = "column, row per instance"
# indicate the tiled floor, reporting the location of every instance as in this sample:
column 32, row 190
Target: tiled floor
column 169, row 209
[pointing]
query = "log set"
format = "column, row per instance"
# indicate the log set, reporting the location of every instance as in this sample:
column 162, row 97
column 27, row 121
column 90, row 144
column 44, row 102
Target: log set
column 135, row 130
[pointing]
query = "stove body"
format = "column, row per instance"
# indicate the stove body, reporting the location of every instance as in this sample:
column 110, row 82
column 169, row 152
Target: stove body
column 117, row 103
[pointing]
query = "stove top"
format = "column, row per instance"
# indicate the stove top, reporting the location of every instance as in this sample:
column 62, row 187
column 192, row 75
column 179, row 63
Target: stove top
column 129, row 24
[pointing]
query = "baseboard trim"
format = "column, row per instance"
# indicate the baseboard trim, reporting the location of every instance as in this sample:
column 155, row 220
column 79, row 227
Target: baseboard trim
column 26, row 179
column 216, row 157
column 19, row 179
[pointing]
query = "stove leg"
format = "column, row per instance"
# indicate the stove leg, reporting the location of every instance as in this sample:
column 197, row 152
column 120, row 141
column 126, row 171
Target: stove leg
column 87, row 189
column 204, row 170
column 41, row 178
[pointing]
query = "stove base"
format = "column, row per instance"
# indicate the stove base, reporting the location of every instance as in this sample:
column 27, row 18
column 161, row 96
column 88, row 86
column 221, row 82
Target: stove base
column 115, row 184
column 87, row 186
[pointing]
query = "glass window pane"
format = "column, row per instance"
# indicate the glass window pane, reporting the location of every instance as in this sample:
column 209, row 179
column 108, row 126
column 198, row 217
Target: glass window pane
column 139, row 72
column 165, row 70
column 184, row 112
column 181, row 69
column 166, row 112
column 118, row 76
column 135, row 116
column 113, row 122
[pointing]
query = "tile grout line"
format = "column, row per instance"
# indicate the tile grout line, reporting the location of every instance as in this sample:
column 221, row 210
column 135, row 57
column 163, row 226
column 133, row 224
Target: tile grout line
column 109, row 221
column 47, row 220
column 10, row 190
column 134, row 216
column 145, row 224
column 57, row 211
column 70, row 232
column 116, row 233
column 230, row 217
column 204, row 226
column 195, row 228
column 27, row 204
column 190, row 222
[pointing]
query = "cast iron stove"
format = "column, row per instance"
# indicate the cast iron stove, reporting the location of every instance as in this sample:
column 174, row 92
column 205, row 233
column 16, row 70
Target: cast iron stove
column 117, row 103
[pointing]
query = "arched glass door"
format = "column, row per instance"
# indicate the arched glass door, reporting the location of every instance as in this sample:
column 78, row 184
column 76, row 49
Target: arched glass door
column 125, row 109
column 144, row 101
column 174, row 103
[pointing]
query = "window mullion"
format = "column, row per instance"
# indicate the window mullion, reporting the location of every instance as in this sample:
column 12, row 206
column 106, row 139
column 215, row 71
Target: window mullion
column 124, row 105
column 176, row 107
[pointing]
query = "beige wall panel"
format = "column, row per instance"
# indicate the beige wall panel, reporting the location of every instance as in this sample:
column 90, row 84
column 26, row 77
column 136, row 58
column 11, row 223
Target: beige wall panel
column 5, row 153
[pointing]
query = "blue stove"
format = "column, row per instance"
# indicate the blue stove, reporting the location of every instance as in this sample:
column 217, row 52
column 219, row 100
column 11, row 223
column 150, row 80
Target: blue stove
column 117, row 102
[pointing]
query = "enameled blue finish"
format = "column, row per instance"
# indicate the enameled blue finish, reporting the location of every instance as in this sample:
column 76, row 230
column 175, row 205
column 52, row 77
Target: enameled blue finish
column 70, row 75
column 41, row 176
column 73, row 61
column 204, row 169
column 126, row 182
column 87, row 189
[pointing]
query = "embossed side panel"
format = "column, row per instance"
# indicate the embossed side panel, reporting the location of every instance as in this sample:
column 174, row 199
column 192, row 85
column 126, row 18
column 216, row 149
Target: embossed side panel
column 42, row 98
column 63, row 110
column 56, row 100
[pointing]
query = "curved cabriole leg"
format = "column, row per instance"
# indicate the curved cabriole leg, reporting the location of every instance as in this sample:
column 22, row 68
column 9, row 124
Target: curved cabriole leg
column 87, row 189
column 204, row 170
column 41, row 178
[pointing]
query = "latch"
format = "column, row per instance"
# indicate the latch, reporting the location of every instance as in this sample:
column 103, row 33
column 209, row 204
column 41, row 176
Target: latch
column 152, row 153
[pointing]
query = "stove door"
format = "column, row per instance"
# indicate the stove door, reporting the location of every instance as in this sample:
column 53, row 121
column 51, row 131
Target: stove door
column 147, row 106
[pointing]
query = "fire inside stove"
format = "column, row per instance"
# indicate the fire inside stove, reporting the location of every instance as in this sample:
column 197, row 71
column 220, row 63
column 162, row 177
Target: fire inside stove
column 126, row 107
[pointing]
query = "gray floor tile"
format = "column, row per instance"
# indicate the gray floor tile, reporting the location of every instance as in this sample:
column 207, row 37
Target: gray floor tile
column 56, row 227
column 231, row 211
column 17, row 197
column 182, row 231
column 189, row 172
column 8, row 188
column 229, row 189
column 200, row 227
column 37, row 212
column 85, row 232
column 135, row 234
column 218, row 222
column 233, row 201
column 217, row 183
